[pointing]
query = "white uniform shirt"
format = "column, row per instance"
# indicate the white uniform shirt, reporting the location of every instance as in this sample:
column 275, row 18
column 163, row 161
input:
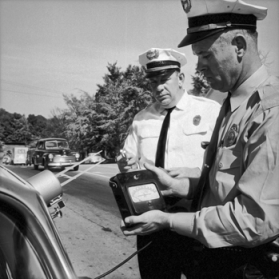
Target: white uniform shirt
column 185, row 134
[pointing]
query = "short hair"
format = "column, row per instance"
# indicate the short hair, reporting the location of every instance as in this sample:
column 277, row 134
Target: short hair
column 251, row 35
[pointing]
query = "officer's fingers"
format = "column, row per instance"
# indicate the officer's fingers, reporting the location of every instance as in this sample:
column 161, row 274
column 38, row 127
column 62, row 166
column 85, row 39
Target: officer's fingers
column 118, row 158
column 132, row 220
column 122, row 224
column 174, row 173
column 129, row 156
column 168, row 192
column 132, row 226
column 131, row 161
column 152, row 168
column 134, row 230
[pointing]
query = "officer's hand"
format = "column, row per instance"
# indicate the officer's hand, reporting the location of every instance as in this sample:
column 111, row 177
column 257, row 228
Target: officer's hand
column 127, row 163
column 146, row 223
column 178, row 187
column 184, row 172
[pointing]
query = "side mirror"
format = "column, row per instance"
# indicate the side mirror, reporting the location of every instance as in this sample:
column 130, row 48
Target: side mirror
column 48, row 185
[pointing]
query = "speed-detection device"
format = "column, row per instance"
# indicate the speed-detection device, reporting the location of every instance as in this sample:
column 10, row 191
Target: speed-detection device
column 137, row 192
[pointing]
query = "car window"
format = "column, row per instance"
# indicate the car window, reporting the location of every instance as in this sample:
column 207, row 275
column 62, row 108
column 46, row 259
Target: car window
column 51, row 144
column 62, row 144
column 56, row 144
column 17, row 254
column 5, row 271
column 41, row 145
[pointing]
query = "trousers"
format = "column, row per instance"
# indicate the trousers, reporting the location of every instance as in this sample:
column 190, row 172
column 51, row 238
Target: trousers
column 171, row 255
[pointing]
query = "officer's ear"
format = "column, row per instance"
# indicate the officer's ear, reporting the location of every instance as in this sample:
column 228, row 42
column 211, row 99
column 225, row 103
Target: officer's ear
column 181, row 79
column 240, row 43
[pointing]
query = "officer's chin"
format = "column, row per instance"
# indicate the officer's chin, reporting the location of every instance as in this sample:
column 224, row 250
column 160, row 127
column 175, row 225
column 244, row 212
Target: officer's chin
column 166, row 104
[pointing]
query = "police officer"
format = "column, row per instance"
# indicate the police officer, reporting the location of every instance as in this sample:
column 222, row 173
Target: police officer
column 192, row 120
column 232, row 229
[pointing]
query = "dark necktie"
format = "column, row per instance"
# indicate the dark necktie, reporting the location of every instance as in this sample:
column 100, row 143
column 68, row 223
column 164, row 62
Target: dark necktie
column 161, row 146
column 210, row 156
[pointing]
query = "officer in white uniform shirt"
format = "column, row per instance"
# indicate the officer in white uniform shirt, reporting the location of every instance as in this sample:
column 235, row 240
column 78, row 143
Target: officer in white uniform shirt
column 192, row 120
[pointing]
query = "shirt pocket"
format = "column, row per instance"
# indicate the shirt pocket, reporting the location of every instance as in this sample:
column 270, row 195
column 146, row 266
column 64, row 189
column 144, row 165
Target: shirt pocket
column 192, row 129
column 152, row 131
column 228, row 168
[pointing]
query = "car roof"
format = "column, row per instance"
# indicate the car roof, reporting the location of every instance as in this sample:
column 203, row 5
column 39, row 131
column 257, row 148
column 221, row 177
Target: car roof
column 46, row 139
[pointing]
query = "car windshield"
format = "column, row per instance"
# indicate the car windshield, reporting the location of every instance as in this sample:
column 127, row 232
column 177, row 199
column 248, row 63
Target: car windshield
column 54, row 144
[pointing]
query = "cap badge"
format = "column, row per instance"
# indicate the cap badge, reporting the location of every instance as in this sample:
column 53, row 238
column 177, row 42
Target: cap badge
column 187, row 5
column 197, row 120
column 152, row 54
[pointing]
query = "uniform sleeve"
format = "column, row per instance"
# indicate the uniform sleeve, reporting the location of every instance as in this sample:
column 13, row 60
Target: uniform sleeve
column 249, row 214
column 131, row 142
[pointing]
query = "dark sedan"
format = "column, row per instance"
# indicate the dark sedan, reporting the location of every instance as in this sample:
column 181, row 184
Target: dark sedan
column 54, row 153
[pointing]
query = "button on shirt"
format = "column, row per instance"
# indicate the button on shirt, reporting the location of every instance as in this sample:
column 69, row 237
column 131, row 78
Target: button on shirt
column 241, row 205
column 192, row 121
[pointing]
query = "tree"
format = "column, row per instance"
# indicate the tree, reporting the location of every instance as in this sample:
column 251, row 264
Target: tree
column 37, row 125
column 56, row 125
column 117, row 101
column 14, row 128
column 201, row 87
column 80, row 121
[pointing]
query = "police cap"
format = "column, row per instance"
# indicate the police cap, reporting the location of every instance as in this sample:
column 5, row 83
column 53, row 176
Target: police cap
column 157, row 61
column 208, row 17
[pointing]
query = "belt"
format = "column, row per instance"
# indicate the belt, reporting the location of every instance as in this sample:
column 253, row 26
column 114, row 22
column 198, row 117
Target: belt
column 235, row 249
column 267, row 248
column 197, row 246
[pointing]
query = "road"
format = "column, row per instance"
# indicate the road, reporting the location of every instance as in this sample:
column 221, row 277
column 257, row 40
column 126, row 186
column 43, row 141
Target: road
column 89, row 228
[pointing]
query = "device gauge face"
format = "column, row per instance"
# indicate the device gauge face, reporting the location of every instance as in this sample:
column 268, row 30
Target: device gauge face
column 143, row 193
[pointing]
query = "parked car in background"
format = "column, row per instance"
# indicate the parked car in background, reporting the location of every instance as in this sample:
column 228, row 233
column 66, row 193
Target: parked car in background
column 7, row 158
column 94, row 158
column 16, row 156
column 54, row 153
column 29, row 155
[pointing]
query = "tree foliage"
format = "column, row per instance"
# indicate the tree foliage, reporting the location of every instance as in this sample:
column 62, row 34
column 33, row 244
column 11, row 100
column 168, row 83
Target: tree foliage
column 14, row 127
column 101, row 122
column 200, row 85
column 90, row 123
column 117, row 101
column 37, row 125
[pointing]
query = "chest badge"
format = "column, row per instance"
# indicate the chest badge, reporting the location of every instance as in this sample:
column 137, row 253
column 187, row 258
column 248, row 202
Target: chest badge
column 197, row 120
column 231, row 135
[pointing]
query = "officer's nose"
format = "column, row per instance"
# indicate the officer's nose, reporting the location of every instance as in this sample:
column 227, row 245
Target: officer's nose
column 159, row 88
column 201, row 66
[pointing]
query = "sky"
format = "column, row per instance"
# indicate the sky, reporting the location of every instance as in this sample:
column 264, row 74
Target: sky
column 53, row 47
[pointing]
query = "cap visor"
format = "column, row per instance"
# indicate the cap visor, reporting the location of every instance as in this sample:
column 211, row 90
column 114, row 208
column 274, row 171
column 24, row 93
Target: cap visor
column 160, row 73
column 198, row 36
